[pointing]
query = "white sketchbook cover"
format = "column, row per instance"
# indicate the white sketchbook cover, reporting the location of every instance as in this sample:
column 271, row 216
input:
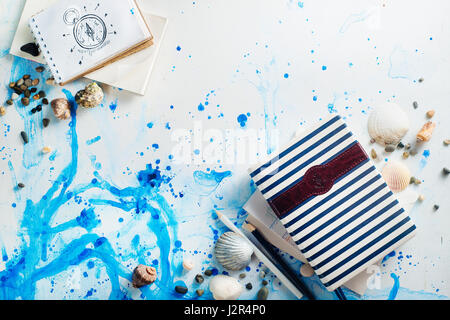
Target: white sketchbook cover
column 131, row 73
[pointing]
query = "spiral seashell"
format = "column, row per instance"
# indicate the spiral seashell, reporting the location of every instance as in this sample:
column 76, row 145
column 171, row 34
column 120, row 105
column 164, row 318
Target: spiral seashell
column 225, row 287
column 143, row 275
column 388, row 124
column 426, row 132
column 396, row 175
column 90, row 97
column 61, row 108
column 232, row 251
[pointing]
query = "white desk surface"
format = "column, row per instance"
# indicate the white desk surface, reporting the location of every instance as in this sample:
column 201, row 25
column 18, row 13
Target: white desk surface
column 283, row 65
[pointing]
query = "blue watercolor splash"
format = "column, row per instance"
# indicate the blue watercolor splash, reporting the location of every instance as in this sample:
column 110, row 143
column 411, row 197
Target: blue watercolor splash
column 395, row 288
column 93, row 140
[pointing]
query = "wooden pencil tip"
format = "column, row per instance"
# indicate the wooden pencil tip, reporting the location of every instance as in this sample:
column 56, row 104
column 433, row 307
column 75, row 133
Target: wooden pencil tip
column 219, row 214
column 248, row 226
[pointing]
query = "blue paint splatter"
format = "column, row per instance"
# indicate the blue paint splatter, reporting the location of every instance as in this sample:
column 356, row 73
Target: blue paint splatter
column 201, row 107
column 395, row 288
column 93, row 140
column 113, row 106
column 242, row 120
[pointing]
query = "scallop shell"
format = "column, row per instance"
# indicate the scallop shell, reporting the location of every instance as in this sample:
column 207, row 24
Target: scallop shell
column 396, row 175
column 90, row 97
column 225, row 287
column 388, row 124
column 232, row 251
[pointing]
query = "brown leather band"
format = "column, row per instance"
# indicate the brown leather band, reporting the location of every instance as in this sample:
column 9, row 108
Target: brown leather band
column 318, row 180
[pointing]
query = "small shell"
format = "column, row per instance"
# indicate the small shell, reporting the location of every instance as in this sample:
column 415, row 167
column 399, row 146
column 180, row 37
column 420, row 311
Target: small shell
column 426, row 131
column 388, row 124
column 396, row 175
column 306, row 270
column 61, row 108
column 232, row 251
column 225, row 287
column 143, row 275
column 90, row 97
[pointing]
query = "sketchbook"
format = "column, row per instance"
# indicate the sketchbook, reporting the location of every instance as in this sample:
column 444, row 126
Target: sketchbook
column 78, row 37
column 333, row 202
column 132, row 73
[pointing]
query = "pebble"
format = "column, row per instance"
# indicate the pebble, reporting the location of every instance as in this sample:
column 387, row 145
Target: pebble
column 389, row 148
column 28, row 82
column 407, row 146
column 421, row 79
column 249, row 286
column 42, row 94
column 188, row 264
column 446, row 142
column 35, row 82
column 199, row 278
column 33, row 90
column 12, row 84
column 46, row 150
column 263, row 293
column 51, row 81
column 208, row 272
column 415, row 105
column 372, row 140
column 415, row 181
column 445, row 171
column 200, row 292
column 24, row 137
column 45, row 122
column 25, row 101
column 413, row 152
column 21, row 185
column 27, row 93
column 430, row 114
column 181, row 289
column 421, row 198
column 39, row 108
column 242, row 275
column 14, row 96
column 45, row 101
column 20, row 82
column 262, row 274
column 30, row 48
column 436, row 207
column 40, row 69
column 26, row 77
column 265, row 283
column 9, row 102
column 400, row 145
column 36, row 97
column 2, row 111
column 405, row 155
column 23, row 87
column 373, row 154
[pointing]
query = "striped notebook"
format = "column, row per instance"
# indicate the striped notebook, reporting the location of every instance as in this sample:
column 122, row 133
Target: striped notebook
column 333, row 202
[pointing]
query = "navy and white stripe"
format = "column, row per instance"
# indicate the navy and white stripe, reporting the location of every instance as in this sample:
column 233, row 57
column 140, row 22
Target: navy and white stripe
column 355, row 224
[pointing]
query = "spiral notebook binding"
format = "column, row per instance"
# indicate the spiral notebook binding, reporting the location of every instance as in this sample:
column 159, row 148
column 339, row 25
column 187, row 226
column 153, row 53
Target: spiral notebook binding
column 43, row 48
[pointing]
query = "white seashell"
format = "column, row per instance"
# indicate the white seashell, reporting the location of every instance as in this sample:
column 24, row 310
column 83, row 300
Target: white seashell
column 188, row 264
column 225, row 287
column 232, row 251
column 396, row 175
column 388, row 124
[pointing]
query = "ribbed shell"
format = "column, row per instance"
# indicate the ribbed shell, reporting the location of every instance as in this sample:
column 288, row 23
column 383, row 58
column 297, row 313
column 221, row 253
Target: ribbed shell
column 396, row 175
column 232, row 251
column 388, row 124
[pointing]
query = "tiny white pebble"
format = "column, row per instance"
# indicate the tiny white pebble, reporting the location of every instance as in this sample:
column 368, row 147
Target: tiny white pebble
column 306, row 270
column 14, row 96
column 46, row 149
column 421, row 197
column 188, row 264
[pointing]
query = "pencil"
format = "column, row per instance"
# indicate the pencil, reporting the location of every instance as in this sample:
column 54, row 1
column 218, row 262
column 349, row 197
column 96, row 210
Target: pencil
column 288, row 270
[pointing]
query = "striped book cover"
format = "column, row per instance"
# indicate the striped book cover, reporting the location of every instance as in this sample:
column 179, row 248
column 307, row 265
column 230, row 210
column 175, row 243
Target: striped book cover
column 333, row 202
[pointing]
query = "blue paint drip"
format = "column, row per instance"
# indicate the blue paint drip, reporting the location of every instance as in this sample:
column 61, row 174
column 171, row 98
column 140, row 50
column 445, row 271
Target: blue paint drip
column 395, row 288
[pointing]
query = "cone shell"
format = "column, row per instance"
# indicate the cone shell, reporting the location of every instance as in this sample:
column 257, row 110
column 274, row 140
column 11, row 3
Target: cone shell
column 396, row 175
column 232, row 251
column 388, row 124
column 225, row 287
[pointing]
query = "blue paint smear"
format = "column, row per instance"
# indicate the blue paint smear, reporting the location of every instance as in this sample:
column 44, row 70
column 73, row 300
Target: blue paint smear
column 93, row 140
column 395, row 288
column 19, row 279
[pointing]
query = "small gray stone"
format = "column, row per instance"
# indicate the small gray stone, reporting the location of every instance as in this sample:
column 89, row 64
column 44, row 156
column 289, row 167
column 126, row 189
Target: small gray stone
column 263, row 293
column 389, row 148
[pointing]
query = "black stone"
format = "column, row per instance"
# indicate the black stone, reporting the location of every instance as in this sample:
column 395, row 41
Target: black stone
column 24, row 137
column 31, row 48
column 45, row 122
column 181, row 289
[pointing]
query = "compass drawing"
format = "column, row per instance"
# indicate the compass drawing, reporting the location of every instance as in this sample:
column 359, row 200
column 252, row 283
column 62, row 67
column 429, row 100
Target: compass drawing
column 89, row 30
